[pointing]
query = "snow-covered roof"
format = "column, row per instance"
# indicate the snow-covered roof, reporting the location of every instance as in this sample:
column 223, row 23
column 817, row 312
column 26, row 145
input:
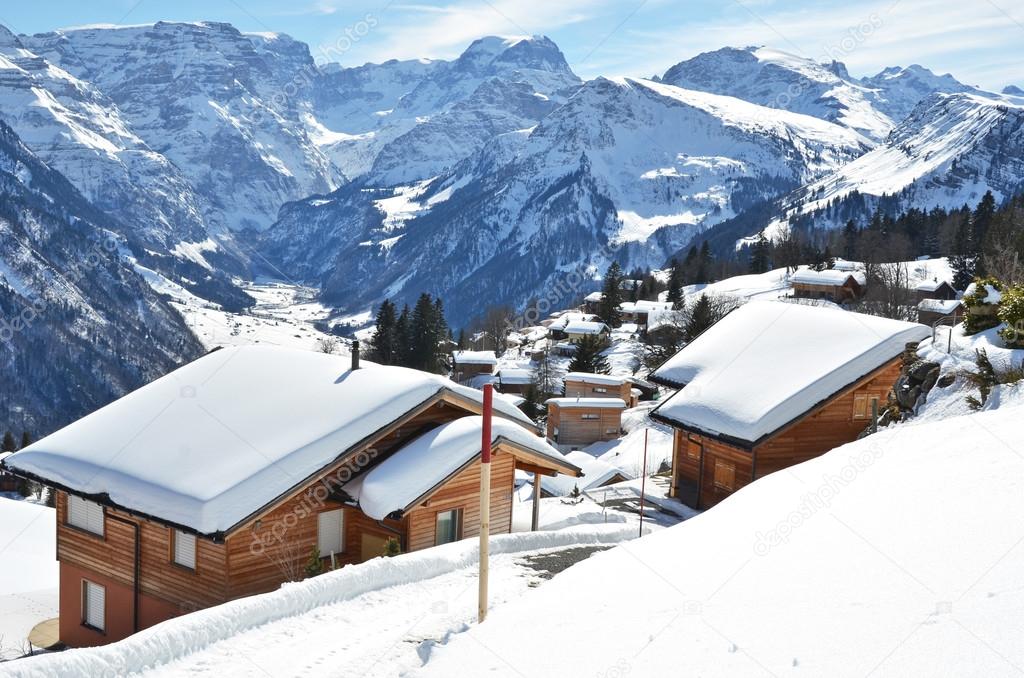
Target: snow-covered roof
column 767, row 363
column 604, row 403
column 209, row 444
column 568, row 318
column 515, row 375
column 595, row 474
column 931, row 285
column 844, row 265
column 475, row 357
column 585, row 327
column 644, row 306
column 943, row 306
column 661, row 317
column 408, row 475
column 591, row 378
column 594, row 297
column 809, row 276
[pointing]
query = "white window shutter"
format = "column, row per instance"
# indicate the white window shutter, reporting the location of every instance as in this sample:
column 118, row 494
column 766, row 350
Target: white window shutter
column 330, row 532
column 94, row 601
column 185, row 549
column 85, row 514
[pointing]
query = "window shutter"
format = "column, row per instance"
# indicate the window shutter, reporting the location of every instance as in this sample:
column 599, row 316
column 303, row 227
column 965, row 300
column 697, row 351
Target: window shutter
column 330, row 531
column 860, row 406
column 85, row 514
column 185, row 549
column 94, row 600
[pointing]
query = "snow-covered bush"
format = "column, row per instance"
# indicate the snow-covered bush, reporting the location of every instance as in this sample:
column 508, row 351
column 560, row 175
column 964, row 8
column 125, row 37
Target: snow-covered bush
column 1011, row 312
column 982, row 299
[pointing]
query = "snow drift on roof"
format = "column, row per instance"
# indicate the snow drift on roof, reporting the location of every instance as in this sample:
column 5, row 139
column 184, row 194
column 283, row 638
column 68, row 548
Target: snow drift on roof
column 809, row 276
column 585, row 327
column 939, row 305
column 417, row 468
column 607, row 403
column 595, row 474
column 767, row 363
column 475, row 357
column 515, row 375
column 217, row 439
column 931, row 285
column 591, row 378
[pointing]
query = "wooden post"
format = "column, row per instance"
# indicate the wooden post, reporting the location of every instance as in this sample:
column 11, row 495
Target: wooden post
column 643, row 484
column 535, row 522
column 485, row 500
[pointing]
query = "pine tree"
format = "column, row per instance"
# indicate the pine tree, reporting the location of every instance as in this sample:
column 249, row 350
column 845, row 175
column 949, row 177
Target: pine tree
column 392, row 547
column 675, row 285
column 608, row 309
column 26, row 440
column 850, row 235
column 701, row 318
column 704, row 261
column 8, row 444
column 965, row 255
column 403, row 339
column 423, row 333
column 314, row 565
column 983, row 215
column 690, row 266
column 383, row 345
column 759, row 254
column 588, row 356
column 461, row 343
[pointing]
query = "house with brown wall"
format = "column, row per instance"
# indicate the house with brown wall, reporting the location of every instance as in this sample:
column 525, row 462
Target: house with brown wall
column 935, row 289
column 590, row 385
column 576, row 422
column 771, row 385
column 838, row 286
column 228, row 476
column 467, row 365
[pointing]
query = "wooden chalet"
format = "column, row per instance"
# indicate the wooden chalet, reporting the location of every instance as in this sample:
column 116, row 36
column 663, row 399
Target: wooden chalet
column 639, row 311
column 577, row 330
column 557, row 325
column 771, row 385
column 588, row 385
column 575, row 422
column 935, row 289
column 514, row 380
column 932, row 311
column 223, row 478
column 838, row 286
column 592, row 302
column 468, row 364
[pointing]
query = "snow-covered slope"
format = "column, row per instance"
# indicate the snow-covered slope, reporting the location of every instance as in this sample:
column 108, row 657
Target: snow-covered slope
column 897, row 89
column 777, row 79
column 947, row 153
column 78, row 327
column 896, row 555
column 636, row 164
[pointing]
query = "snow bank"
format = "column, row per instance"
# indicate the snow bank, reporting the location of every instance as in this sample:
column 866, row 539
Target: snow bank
column 767, row 362
column 222, row 436
column 475, row 357
column 897, row 555
column 176, row 638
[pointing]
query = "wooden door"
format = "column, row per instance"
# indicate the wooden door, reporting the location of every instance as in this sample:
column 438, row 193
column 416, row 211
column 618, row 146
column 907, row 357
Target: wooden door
column 371, row 546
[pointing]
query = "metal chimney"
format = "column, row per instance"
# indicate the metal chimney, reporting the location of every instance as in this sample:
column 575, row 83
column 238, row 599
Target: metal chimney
column 355, row 355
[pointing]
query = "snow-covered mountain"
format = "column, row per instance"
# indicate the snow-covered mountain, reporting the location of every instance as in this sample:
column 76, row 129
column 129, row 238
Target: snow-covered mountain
column 78, row 327
column 778, row 79
column 947, row 153
column 626, row 168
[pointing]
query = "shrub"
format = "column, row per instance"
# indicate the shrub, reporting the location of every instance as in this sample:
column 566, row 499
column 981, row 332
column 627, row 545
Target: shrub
column 980, row 315
column 1011, row 312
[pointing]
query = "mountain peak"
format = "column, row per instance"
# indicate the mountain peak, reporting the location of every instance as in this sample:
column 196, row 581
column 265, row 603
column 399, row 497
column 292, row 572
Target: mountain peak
column 7, row 38
column 1013, row 90
column 535, row 52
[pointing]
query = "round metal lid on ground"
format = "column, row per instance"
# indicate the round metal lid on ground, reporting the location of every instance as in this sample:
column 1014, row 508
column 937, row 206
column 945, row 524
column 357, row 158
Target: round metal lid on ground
column 45, row 634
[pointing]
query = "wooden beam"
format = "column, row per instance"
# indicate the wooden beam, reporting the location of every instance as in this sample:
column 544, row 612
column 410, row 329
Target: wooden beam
column 532, row 468
column 535, row 520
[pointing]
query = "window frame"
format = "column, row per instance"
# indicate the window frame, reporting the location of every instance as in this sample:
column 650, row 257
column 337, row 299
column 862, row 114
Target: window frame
column 590, row 416
column 85, row 528
column 720, row 483
column 457, row 515
column 341, row 532
column 175, row 535
column 85, row 608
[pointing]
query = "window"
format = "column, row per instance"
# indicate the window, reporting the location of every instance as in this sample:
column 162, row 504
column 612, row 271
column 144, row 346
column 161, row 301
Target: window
column 85, row 515
column 693, row 448
column 725, row 475
column 611, row 431
column 590, row 416
column 185, row 549
column 94, row 601
column 449, row 527
column 600, row 389
column 862, row 405
column 330, row 533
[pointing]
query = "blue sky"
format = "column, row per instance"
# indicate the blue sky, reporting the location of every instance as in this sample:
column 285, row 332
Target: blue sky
column 980, row 42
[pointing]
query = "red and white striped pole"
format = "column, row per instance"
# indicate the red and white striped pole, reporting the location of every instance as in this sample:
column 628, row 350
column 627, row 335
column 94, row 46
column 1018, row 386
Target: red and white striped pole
column 485, row 499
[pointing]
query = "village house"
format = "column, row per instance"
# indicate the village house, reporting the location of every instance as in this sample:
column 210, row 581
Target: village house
column 468, row 364
column 838, row 286
column 577, row 330
column 576, row 422
column 771, row 385
column 556, row 327
column 596, row 473
column 228, row 476
column 935, row 289
column 592, row 302
column 589, row 385
column 514, row 379
column 933, row 311
column 638, row 311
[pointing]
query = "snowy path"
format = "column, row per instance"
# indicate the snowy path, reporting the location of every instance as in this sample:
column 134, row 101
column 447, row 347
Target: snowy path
column 374, row 635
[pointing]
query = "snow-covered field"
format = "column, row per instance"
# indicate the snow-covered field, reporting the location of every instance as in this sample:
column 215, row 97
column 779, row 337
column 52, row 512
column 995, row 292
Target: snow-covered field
column 898, row 555
column 28, row 572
